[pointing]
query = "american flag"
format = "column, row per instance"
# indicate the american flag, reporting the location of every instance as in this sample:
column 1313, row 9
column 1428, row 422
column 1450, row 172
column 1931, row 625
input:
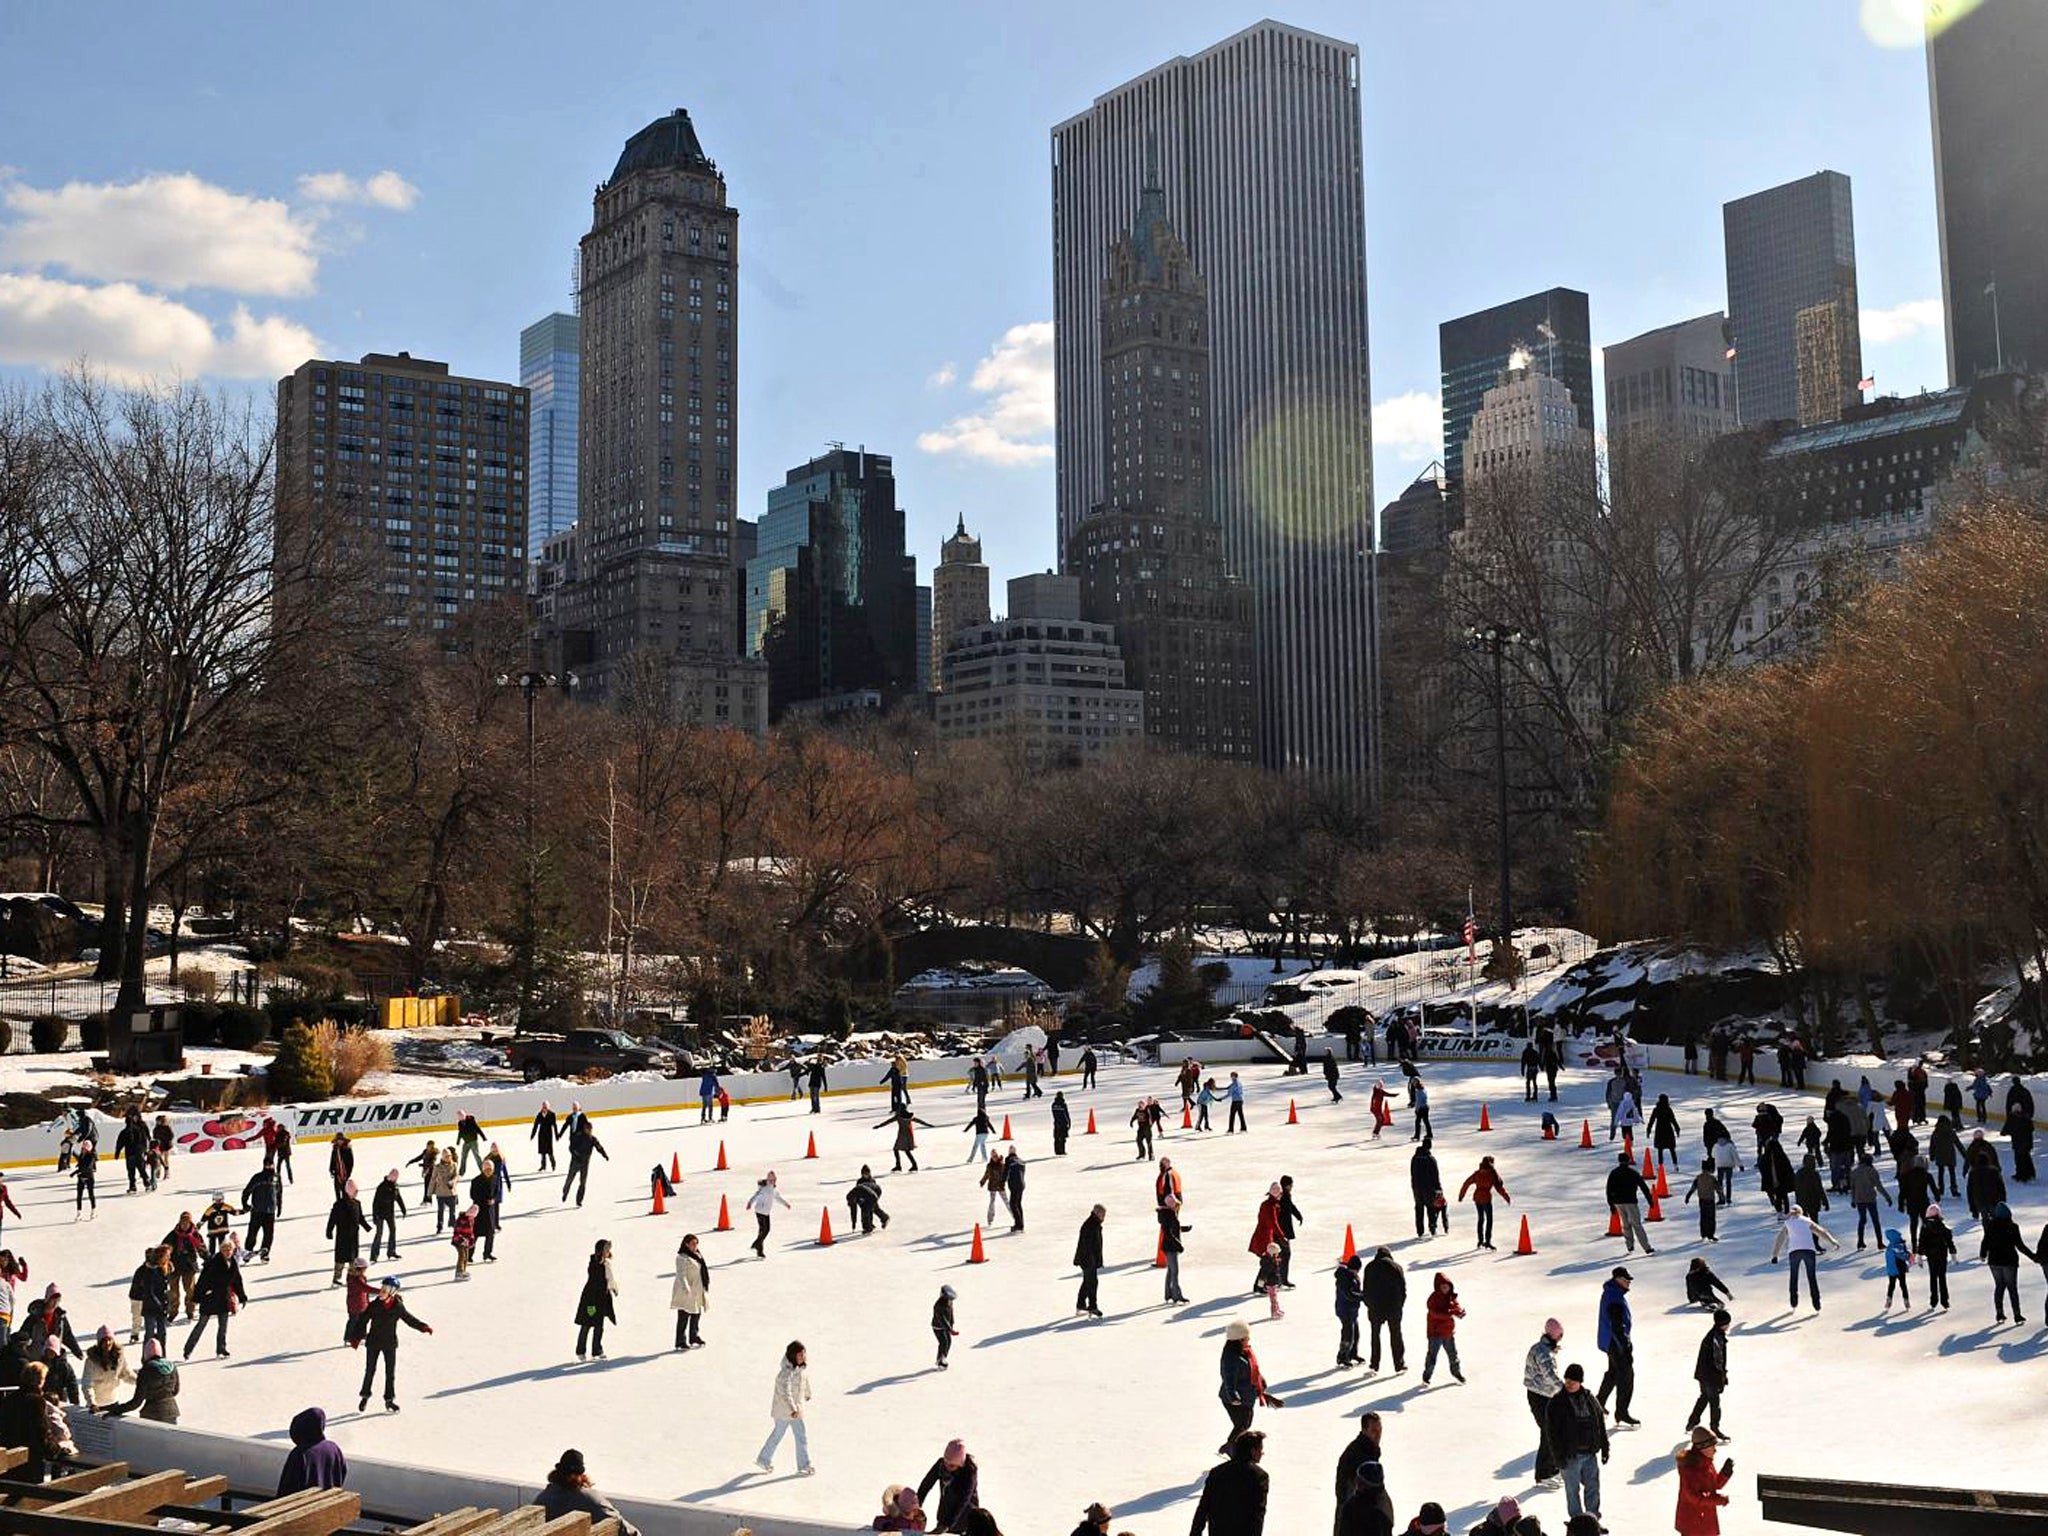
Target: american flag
column 1471, row 926
column 1865, row 386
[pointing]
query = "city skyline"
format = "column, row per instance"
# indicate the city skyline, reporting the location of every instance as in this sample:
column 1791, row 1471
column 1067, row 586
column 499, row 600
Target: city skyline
column 350, row 239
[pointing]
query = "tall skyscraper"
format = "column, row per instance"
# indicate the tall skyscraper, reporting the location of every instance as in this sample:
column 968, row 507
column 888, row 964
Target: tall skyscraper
column 1789, row 249
column 924, row 638
column 659, row 425
column 416, row 472
column 1548, row 331
column 1150, row 558
column 1676, row 380
column 1257, row 146
column 1984, row 74
column 550, row 370
column 959, row 594
column 831, row 596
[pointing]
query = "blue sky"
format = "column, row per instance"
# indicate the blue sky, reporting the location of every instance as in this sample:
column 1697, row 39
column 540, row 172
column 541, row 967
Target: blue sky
column 220, row 189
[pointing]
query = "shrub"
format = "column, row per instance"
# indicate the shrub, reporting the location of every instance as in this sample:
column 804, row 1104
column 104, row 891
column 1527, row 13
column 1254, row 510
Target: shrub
column 351, row 1054
column 199, row 983
column 201, row 1023
column 92, row 1031
column 299, row 1071
column 242, row 1028
column 6, row 1036
column 48, row 1032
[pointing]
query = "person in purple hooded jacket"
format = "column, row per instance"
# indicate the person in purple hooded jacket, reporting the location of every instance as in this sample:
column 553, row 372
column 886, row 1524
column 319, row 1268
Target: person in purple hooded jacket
column 315, row 1461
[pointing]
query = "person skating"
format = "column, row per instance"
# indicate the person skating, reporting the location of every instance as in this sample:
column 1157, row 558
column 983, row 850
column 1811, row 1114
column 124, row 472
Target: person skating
column 906, row 1136
column 1578, row 1435
column 1703, row 1286
column 1171, row 1228
column 1244, row 1386
column 792, row 1391
column 106, row 1369
column 1804, row 1238
column 1141, row 1124
column 2019, row 1129
column 380, row 1340
column 1710, row 1370
column 958, row 1481
column 1616, row 1338
column 1233, row 1499
column 1441, row 1327
column 218, row 1220
column 982, row 1128
column 1483, row 1184
column 1205, row 1100
column 1418, row 1103
column 542, row 1134
column 1624, row 1184
column 762, row 1202
column 462, row 1238
column 1386, row 1293
column 864, row 1200
column 85, row 1171
column 1360, row 1452
column 1898, row 1263
column 346, row 1225
column 356, row 1299
column 341, row 1160
column 995, row 1181
column 441, row 1188
column 943, row 1330
column 156, row 1388
column 1425, row 1183
column 186, row 1245
column 219, row 1292
column 1540, row 1383
column 132, row 1147
column 1013, row 1182
column 387, row 1204
column 1532, row 1063
column 1031, row 1088
column 1330, row 1077
column 1062, row 1122
column 1350, row 1297
column 428, row 1158
column 1088, row 1259
column 1236, row 1121
column 149, row 1297
column 1265, row 1230
column 483, row 1197
column 1866, row 1188
column 1705, row 1186
column 314, row 1461
column 2001, row 1249
column 1916, row 1193
column 594, row 1305
column 1700, row 1498
column 690, row 1293
column 1088, row 1065
column 262, row 1197
column 469, row 1140
column 815, row 1080
column 1937, row 1245
column 582, row 1143
column 1268, row 1281
column 1663, row 1128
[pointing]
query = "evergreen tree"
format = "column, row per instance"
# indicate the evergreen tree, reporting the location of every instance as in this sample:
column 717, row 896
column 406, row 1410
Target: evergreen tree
column 299, row 1071
column 1183, row 997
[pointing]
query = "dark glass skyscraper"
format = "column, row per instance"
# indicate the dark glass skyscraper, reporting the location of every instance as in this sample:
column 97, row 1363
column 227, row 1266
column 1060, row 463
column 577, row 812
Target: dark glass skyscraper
column 1985, row 74
column 1474, row 351
column 550, row 369
column 1791, row 255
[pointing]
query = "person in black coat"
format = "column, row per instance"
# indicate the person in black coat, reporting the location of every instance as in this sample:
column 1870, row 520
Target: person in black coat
column 2019, row 1130
column 262, row 1198
column 1385, row 1285
column 1291, row 1220
column 346, row 1225
column 1363, row 1449
column 958, row 1480
column 380, row 1334
column 22, row 1425
column 1710, row 1370
column 1233, row 1501
column 484, row 1193
column 543, row 1132
column 1426, row 1183
column 387, row 1204
column 1062, row 1123
column 219, row 1290
column 1350, row 1296
column 594, row 1306
column 582, row 1142
column 341, row 1161
column 1088, row 1259
column 1013, row 1176
column 1937, row 1245
column 1170, row 1229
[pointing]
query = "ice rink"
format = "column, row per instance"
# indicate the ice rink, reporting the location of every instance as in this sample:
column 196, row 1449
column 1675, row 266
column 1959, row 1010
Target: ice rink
column 1061, row 1411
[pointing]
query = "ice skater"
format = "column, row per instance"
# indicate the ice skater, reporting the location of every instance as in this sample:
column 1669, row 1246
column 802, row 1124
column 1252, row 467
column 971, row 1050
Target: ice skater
column 1171, row 1229
column 1624, row 1184
column 983, row 1128
column 994, row 1181
column 762, row 1202
column 1013, row 1179
column 1483, row 1184
column 1441, row 1327
column 1705, row 1187
column 441, row 1189
column 792, row 1391
column 1426, row 1185
column 1062, row 1123
column 1088, row 1259
column 380, row 1337
column 594, row 1306
column 1898, row 1262
column 1268, row 1281
column 1235, row 1093
column 1141, row 1120
column 1710, row 1370
column 1330, row 1076
column 262, row 1198
column 943, row 1330
column 690, row 1294
column 1350, row 1295
column 387, row 1204
column 1244, row 1386
column 582, row 1142
column 1616, row 1338
column 542, row 1134
column 346, row 1225
column 906, row 1136
column 864, row 1200
column 1703, row 1286
column 219, row 1292
column 1803, row 1238
column 1386, row 1293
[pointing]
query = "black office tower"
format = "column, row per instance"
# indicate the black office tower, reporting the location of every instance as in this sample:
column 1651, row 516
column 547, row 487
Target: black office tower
column 1792, row 314
column 1474, row 350
column 1985, row 74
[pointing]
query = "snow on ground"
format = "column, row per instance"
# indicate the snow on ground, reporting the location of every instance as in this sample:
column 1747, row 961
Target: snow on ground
column 1059, row 1411
column 27, row 1072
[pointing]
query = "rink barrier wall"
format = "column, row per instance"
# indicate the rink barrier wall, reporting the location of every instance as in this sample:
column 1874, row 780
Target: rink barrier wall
column 389, row 1488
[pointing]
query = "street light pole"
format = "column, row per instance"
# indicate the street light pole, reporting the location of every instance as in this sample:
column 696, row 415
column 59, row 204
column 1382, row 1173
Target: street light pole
column 1496, row 640
column 530, row 684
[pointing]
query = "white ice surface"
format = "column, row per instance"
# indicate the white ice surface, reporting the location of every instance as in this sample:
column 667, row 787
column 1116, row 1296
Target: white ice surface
column 1060, row 1412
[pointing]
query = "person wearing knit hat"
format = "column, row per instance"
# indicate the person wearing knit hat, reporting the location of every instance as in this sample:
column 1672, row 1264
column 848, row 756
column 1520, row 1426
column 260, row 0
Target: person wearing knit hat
column 1366, row 1509
column 1429, row 1519
column 1540, row 1383
column 1094, row 1521
column 1937, row 1247
column 957, row 1478
column 568, row 1491
column 1500, row 1520
column 1699, row 1485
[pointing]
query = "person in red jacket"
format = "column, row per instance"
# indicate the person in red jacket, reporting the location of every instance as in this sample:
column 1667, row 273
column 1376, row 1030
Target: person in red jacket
column 1266, row 1231
column 1699, row 1486
column 1482, row 1186
column 1440, row 1326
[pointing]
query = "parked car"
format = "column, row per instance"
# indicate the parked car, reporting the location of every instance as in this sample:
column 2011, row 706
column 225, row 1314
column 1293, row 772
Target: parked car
column 582, row 1050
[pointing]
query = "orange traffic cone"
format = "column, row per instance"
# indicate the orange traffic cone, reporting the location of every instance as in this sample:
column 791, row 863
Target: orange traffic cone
column 811, row 1146
column 1614, row 1221
column 1646, row 1164
column 1006, row 1129
column 1585, row 1133
column 1350, row 1246
column 1159, row 1260
column 1663, row 1184
column 825, row 1228
column 1550, row 1133
column 1628, row 1143
column 1485, row 1120
column 1656, row 1210
column 1091, row 1124
column 724, row 1217
column 1187, row 1117
column 675, row 1168
column 975, row 1255
column 721, row 1164
column 660, row 1205
column 1292, row 1117
column 1523, row 1247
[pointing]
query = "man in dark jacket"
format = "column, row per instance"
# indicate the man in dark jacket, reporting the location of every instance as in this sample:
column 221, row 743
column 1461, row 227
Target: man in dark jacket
column 1710, row 1370
column 219, row 1291
column 1350, row 1293
column 262, row 1198
column 1062, row 1123
column 958, row 1481
column 1578, row 1433
column 1290, row 1219
column 380, row 1333
column 1088, row 1259
column 1233, row 1501
column 1013, row 1177
column 1386, row 1292
column 1616, row 1336
column 386, row 1206
column 1364, row 1448
column 1624, row 1184
column 582, row 1142
column 1426, row 1183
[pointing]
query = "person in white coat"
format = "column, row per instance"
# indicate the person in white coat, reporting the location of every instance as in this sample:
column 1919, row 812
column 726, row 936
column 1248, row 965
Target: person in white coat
column 691, row 1293
column 762, row 1203
column 106, row 1370
column 1803, row 1238
column 792, row 1391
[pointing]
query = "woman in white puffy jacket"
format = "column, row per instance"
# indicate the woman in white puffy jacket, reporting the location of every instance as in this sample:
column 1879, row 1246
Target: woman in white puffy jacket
column 792, row 1391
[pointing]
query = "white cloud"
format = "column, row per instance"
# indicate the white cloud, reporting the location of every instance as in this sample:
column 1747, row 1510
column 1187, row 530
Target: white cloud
column 1881, row 326
column 941, row 376
column 1012, row 427
column 1409, row 426
column 171, row 231
column 385, row 189
column 138, row 337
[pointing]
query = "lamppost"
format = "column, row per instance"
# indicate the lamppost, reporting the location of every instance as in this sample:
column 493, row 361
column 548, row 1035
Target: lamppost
column 1497, row 640
column 530, row 683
